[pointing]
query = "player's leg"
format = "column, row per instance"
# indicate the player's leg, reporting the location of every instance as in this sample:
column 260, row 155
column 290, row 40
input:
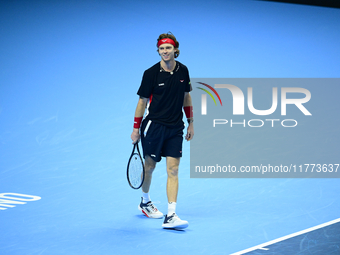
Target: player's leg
column 150, row 147
column 171, row 219
column 172, row 165
column 149, row 166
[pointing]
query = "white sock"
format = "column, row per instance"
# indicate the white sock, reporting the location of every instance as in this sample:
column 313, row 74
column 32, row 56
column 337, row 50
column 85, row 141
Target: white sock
column 146, row 197
column 171, row 208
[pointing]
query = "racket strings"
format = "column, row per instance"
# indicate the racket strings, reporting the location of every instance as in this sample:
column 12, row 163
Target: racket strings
column 136, row 170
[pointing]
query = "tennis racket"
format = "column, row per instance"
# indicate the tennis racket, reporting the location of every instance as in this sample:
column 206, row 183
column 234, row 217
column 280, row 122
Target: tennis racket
column 135, row 168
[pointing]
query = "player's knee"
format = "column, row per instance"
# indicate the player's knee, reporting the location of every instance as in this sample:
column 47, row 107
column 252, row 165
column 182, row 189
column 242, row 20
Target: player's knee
column 173, row 171
column 150, row 165
column 149, row 170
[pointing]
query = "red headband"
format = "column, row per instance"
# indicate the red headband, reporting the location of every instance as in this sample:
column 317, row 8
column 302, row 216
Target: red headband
column 166, row 40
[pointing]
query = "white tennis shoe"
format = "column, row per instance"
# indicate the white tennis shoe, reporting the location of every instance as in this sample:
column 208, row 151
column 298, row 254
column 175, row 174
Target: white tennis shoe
column 173, row 221
column 150, row 210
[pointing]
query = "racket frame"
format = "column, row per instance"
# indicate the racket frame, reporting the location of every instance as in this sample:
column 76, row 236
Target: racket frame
column 127, row 171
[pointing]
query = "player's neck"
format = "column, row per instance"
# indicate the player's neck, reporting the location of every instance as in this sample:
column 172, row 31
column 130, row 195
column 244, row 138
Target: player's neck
column 168, row 66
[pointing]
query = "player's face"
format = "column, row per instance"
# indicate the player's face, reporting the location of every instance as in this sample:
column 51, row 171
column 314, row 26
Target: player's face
column 167, row 52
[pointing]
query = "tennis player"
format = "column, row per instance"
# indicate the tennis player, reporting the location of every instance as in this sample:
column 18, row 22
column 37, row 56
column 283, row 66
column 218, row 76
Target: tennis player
column 164, row 92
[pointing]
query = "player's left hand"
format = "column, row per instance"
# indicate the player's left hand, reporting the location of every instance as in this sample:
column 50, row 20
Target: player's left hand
column 190, row 132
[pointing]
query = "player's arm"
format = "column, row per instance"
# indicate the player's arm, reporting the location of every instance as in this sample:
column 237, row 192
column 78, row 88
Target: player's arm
column 187, row 106
column 139, row 113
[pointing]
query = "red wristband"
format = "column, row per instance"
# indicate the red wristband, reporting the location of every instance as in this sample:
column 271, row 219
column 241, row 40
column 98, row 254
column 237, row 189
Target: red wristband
column 138, row 121
column 188, row 111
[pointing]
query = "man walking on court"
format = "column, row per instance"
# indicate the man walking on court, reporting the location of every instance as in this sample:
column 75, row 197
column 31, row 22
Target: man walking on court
column 164, row 91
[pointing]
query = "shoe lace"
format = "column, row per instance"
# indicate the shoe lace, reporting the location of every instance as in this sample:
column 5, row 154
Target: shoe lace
column 153, row 207
column 172, row 217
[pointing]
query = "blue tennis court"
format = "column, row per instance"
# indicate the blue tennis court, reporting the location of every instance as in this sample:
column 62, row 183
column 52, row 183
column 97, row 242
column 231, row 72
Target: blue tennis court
column 69, row 75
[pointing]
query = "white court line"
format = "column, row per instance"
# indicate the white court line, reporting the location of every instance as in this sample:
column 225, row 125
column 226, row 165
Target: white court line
column 261, row 246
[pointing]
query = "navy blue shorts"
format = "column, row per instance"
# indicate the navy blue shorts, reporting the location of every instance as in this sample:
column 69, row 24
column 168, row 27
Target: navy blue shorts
column 161, row 141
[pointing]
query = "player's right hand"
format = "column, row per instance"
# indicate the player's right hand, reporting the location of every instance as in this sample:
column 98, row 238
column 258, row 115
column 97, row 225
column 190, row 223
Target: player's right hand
column 135, row 136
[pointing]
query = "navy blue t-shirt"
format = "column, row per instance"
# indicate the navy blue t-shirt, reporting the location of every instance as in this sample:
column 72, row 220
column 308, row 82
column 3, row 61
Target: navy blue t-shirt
column 166, row 93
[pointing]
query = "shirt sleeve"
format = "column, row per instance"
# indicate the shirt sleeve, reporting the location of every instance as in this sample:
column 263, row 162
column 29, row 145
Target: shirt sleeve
column 188, row 87
column 145, row 89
